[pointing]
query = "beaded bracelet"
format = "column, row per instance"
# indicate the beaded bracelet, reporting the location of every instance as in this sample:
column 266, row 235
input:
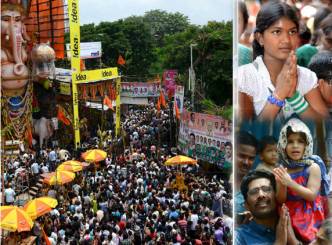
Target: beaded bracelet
column 275, row 101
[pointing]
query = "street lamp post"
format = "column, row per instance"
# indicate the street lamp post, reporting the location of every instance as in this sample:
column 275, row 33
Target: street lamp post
column 192, row 75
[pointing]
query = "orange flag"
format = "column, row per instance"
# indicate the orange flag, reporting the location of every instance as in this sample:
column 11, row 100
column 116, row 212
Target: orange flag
column 82, row 64
column 121, row 60
column 158, row 105
column 108, row 102
column 28, row 136
column 177, row 111
column 62, row 117
column 47, row 241
column 162, row 99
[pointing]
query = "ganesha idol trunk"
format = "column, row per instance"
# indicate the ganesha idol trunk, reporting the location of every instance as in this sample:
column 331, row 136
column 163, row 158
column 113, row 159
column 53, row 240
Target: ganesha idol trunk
column 14, row 73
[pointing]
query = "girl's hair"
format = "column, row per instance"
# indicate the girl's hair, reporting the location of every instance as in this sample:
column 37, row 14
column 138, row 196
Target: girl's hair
column 302, row 134
column 267, row 16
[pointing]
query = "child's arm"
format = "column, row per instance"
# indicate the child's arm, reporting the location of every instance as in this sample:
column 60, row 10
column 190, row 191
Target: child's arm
column 281, row 194
column 309, row 192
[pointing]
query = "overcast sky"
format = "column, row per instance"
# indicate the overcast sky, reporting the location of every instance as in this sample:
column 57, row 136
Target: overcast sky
column 198, row 11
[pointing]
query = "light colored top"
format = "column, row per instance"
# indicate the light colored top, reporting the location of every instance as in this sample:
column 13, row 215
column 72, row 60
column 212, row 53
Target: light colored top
column 35, row 168
column 10, row 195
column 254, row 80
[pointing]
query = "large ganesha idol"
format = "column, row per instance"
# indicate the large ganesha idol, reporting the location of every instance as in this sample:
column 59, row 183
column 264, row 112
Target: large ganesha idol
column 15, row 87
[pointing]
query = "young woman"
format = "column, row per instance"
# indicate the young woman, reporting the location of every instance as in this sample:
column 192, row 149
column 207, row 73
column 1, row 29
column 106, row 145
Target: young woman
column 273, row 85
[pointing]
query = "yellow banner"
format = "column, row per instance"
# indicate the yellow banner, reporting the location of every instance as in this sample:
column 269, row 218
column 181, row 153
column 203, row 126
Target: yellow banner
column 74, row 26
column 95, row 75
column 117, row 111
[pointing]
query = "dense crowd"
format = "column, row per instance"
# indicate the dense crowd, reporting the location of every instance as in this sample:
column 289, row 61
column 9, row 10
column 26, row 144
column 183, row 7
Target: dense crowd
column 128, row 199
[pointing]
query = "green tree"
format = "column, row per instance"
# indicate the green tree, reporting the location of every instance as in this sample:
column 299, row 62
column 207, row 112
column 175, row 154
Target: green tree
column 212, row 58
column 164, row 24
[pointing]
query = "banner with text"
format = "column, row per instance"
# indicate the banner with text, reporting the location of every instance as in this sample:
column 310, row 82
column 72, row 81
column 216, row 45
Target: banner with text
column 140, row 89
column 89, row 50
column 206, row 137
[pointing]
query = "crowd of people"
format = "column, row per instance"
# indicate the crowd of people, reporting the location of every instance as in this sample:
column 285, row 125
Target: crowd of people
column 128, row 198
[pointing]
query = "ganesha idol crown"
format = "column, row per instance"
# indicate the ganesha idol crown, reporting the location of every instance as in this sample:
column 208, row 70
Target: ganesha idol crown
column 23, row 4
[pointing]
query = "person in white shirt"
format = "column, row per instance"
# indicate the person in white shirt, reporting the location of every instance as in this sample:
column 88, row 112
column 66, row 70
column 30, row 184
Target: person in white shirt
column 10, row 195
column 35, row 168
column 44, row 169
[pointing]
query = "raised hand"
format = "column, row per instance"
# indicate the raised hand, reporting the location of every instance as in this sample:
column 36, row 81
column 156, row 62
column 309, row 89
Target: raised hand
column 293, row 74
column 287, row 79
column 282, row 226
column 282, row 176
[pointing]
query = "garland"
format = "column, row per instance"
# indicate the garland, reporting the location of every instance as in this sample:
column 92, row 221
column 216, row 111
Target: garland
column 17, row 121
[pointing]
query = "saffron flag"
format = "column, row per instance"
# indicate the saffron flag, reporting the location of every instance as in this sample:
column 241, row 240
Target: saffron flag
column 121, row 60
column 47, row 241
column 108, row 102
column 158, row 105
column 28, row 136
column 177, row 111
column 162, row 99
column 82, row 65
column 62, row 117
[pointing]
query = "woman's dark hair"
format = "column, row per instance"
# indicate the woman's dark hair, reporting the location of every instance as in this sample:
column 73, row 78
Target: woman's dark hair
column 253, row 175
column 267, row 16
column 319, row 16
column 326, row 25
column 321, row 64
column 244, row 11
column 305, row 34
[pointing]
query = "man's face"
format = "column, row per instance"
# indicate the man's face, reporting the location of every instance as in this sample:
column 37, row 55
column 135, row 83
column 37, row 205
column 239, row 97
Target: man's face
column 222, row 146
column 261, row 200
column 245, row 158
column 327, row 41
column 228, row 150
column 325, row 88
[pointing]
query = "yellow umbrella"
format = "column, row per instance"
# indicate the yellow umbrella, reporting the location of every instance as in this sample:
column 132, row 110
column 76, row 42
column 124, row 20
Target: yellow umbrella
column 13, row 218
column 73, row 166
column 59, row 177
column 94, row 155
column 39, row 206
column 180, row 160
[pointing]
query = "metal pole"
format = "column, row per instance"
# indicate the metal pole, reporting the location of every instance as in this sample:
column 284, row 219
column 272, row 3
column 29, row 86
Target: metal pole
column 192, row 76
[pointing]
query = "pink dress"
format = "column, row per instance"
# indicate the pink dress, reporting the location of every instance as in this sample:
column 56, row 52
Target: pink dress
column 306, row 216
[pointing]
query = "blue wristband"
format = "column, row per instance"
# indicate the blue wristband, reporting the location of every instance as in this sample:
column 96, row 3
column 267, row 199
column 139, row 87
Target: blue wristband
column 273, row 100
